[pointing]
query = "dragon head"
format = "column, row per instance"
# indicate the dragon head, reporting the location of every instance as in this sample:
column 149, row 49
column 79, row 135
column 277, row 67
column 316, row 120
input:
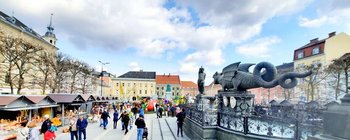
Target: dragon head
column 217, row 77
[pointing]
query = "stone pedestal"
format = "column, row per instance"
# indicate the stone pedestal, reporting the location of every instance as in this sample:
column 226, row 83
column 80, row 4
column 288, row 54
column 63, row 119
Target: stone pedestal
column 240, row 102
column 336, row 121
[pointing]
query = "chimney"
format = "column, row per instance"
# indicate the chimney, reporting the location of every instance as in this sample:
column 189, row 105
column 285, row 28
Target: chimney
column 331, row 34
column 313, row 40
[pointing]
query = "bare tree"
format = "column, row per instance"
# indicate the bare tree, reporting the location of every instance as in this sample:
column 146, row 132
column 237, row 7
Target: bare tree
column 74, row 71
column 8, row 44
column 313, row 81
column 43, row 63
column 287, row 93
column 26, row 52
column 19, row 55
column 343, row 64
column 86, row 77
column 60, row 68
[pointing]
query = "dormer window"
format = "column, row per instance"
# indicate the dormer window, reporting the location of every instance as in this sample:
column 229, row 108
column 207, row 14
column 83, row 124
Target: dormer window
column 315, row 50
column 300, row 54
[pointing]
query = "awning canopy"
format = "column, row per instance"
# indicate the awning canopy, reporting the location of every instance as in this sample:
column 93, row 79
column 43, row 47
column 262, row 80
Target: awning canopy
column 27, row 108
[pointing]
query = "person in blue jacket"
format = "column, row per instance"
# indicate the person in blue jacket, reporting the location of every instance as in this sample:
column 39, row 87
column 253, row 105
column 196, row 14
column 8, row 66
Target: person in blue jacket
column 81, row 126
column 115, row 118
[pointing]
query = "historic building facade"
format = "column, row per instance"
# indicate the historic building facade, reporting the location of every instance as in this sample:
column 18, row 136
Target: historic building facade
column 168, row 86
column 11, row 27
column 135, row 84
column 188, row 88
column 319, row 53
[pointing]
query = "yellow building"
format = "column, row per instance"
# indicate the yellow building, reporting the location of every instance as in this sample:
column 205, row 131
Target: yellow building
column 321, row 52
column 135, row 84
column 12, row 27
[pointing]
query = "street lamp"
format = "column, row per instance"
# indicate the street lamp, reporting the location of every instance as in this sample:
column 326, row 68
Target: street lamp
column 102, row 64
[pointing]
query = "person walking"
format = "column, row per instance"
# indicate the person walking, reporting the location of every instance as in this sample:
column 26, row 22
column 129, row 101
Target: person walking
column 105, row 117
column 22, row 131
column 180, row 120
column 172, row 109
column 34, row 132
column 73, row 128
column 142, row 112
column 81, row 126
column 115, row 118
column 131, row 117
column 140, row 123
column 46, row 124
column 125, row 120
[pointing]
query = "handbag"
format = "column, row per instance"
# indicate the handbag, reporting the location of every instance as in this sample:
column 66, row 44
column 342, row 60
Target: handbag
column 70, row 128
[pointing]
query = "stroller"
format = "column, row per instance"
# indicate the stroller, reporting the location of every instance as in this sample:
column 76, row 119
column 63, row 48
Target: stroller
column 145, row 133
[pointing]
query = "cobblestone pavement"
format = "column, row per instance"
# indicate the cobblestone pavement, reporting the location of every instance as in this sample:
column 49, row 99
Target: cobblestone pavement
column 158, row 129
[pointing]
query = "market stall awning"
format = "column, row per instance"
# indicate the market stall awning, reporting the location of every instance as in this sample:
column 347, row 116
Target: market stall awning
column 88, row 97
column 63, row 98
column 27, row 108
column 14, row 101
column 41, row 100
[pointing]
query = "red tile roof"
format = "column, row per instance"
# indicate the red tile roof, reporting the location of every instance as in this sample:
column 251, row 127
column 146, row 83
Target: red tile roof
column 168, row 79
column 188, row 84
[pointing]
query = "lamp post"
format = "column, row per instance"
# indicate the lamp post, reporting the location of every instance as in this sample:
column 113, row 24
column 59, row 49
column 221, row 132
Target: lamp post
column 102, row 64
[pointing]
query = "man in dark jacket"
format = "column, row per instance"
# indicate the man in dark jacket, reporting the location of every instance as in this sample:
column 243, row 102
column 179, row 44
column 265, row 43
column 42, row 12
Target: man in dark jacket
column 125, row 120
column 180, row 120
column 140, row 123
column 115, row 119
column 81, row 126
column 104, row 117
column 46, row 124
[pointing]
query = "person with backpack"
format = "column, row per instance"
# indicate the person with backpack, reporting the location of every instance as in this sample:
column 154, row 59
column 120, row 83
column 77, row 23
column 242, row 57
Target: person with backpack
column 180, row 120
column 140, row 123
column 125, row 120
column 50, row 133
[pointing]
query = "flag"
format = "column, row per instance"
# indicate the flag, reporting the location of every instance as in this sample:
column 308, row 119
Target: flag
column 121, row 89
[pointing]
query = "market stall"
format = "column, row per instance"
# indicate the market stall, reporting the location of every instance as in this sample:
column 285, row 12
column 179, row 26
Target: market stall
column 89, row 99
column 43, row 105
column 69, row 104
column 13, row 109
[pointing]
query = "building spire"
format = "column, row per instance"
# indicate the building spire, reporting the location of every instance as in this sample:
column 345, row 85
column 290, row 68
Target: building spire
column 49, row 35
column 51, row 19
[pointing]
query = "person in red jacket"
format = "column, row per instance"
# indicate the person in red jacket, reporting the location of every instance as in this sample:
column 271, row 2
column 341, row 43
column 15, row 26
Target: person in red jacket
column 50, row 134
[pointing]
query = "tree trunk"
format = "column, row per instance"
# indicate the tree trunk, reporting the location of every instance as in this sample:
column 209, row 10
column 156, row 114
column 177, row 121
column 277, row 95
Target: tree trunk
column 44, row 84
column 346, row 81
column 337, row 86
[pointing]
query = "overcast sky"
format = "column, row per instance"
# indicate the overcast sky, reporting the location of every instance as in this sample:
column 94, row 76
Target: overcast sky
column 178, row 37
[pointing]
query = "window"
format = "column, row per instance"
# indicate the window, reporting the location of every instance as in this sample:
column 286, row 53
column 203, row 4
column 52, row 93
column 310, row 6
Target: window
column 157, row 88
column 151, row 85
column 140, row 92
column 162, row 88
column 134, row 84
column 145, row 91
column 128, row 84
column 146, row 85
column 315, row 50
column 123, row 84
column 117, row 84
column 300, row 54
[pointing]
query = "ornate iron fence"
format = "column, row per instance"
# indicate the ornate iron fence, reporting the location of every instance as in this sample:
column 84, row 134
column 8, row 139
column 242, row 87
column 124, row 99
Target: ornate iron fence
column 275, row 121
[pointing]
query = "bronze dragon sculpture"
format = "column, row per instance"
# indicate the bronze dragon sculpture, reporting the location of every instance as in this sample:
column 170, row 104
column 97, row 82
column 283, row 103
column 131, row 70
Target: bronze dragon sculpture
column 237, row 77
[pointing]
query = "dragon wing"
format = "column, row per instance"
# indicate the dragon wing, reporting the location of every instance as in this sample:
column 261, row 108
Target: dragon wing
column 230, row 71
column 231, row 67
column 245, row 67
